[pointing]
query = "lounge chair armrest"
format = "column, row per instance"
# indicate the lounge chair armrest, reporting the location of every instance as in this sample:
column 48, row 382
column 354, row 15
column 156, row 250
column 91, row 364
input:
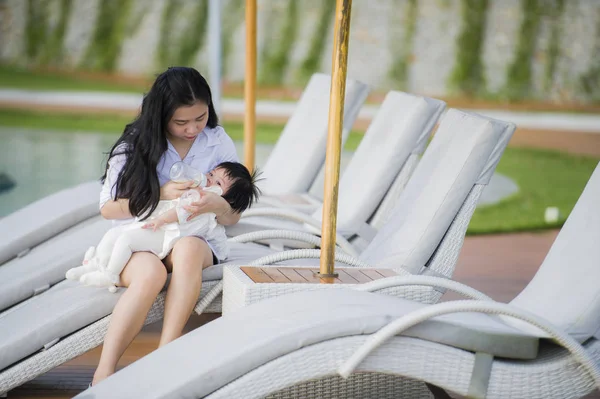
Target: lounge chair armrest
column 489, row 307
column 276, row 234
column 438, row 282
column 306, row 254
column 301, row 218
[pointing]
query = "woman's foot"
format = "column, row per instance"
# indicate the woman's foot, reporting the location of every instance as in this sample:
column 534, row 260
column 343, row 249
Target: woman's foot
column 99, row 376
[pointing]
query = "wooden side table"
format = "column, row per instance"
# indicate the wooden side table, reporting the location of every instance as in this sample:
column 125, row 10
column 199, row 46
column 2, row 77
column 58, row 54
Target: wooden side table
column 244, row 285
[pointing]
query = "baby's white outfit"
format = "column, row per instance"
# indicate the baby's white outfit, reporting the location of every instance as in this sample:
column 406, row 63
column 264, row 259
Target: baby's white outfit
column 120, row 242
column 204, row 226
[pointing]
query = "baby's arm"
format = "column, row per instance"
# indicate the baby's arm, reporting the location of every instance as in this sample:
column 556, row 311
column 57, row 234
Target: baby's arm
column 177, row 214
column 169, row 216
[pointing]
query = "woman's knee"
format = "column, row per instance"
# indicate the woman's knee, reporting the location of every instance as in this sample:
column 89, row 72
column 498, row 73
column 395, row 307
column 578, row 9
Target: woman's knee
column 144, row 268
column 190, row 255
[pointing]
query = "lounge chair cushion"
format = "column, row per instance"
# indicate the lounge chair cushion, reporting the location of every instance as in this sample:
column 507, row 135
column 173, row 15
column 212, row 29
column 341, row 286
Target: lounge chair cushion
column 47, row 217
column 239, row 254
column 565, row 289
column 66, row 307
column 301, row 146
column 47, row 263
column 223, row 350
column 464, row 150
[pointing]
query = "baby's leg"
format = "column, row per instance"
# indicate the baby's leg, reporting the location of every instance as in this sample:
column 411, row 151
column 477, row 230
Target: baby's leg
column 130, row 241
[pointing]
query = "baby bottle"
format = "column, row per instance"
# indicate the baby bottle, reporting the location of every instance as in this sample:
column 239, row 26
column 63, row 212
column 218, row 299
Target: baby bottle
column 186, row 199
column 181, row 172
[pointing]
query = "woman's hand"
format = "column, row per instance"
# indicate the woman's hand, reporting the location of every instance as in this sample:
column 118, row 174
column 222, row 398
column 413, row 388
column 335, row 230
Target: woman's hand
column 173, row 190
column 211, row 202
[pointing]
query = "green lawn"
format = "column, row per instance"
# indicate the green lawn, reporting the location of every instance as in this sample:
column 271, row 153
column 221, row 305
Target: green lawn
column 545, row 178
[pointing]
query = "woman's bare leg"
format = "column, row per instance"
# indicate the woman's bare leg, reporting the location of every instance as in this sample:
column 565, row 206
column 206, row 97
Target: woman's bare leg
column 189, row 256
column 145, row 275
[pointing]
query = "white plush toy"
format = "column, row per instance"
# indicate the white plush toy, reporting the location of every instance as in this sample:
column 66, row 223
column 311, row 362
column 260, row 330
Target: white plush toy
column 91, row 273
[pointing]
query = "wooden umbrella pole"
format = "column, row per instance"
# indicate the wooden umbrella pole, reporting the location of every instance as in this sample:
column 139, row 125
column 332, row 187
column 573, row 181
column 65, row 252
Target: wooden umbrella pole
column 334, row 137
column 250, row 86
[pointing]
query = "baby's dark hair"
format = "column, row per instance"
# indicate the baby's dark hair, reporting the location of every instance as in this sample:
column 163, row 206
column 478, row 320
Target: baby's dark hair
column 243, row 191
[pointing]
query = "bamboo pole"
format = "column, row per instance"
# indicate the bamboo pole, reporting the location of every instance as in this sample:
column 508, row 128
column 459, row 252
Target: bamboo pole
column 334, row 136
column 250, row 86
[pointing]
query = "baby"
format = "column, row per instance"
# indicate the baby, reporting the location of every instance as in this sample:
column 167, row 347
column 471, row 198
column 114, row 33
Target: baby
column 102, row 265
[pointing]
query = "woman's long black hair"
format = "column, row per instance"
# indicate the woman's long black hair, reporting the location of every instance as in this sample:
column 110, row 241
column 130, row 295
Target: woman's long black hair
column 144, row 141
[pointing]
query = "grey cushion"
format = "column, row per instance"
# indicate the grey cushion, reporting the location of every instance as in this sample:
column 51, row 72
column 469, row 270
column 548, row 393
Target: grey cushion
column 465, row 149
column 221, row 351
column 300, row 150
column 47, row 217
column 47, row 263
column 565, row 290
column 65, row 308
column 240, row 254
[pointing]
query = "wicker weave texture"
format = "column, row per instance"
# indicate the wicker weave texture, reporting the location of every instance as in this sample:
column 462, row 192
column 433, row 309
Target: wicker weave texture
column 553, row 376
column 358, row 386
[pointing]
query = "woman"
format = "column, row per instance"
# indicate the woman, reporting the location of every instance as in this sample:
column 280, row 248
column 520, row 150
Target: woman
column 177, row 122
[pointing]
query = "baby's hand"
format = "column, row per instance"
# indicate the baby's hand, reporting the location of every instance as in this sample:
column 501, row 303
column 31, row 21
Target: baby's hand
column 154, row 224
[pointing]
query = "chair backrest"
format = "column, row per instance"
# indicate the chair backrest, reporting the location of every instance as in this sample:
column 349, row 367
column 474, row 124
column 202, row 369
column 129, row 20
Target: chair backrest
column 463, row 153
column 300, row 151
column 566, row 288
column 401, row 127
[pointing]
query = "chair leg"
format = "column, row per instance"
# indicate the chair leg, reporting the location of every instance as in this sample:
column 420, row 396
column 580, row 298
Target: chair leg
column 438, row 393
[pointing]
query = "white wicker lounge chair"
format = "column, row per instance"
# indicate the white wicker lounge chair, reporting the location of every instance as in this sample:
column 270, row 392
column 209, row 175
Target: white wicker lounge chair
column 298, row 346
column 69, row 319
